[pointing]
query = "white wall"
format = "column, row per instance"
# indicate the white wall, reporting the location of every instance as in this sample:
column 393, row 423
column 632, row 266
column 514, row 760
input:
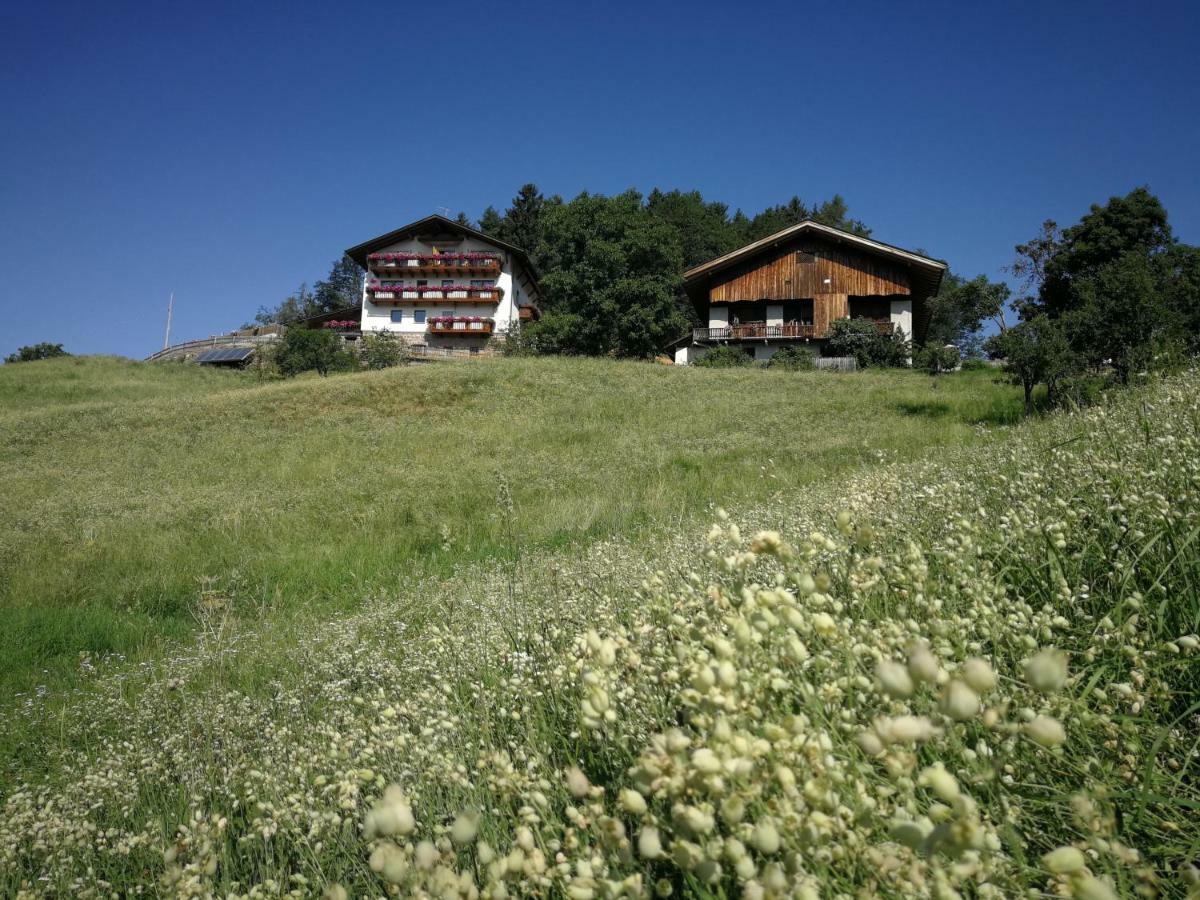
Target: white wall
column 685, row 356
column 718, row 317
column 378, row 316
column 775, row 314
column 902, row 317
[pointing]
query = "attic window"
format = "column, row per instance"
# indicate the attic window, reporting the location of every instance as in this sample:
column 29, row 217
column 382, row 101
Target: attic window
column 803, row 256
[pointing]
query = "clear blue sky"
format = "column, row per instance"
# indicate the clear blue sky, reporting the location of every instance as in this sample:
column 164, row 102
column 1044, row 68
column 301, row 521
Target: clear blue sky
column 230, row 151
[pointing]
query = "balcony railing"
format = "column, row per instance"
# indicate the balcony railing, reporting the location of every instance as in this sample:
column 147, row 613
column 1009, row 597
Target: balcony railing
column 754, row 330
column 763, row 331
column 447, row 263
column 460, row 292
column 441, row 325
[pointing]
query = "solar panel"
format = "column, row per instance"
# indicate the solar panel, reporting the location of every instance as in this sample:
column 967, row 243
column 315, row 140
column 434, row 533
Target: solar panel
column 226, row 355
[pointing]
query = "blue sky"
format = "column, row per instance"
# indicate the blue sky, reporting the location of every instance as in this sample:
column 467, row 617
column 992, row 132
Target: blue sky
column 230, row 151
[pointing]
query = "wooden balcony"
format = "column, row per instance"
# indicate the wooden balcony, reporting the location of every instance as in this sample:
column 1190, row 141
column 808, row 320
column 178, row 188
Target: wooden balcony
column 750, row 331
column 753, row 331
column 389, row 265
column 461, row 329
column 456, row 293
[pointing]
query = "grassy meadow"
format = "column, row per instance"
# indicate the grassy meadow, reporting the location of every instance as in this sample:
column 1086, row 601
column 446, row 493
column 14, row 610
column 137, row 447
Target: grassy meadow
column 918, row 656
column 135, row 494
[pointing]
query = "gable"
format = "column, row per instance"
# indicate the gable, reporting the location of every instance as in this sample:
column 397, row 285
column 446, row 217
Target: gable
column 435, row 231
column 806, row 265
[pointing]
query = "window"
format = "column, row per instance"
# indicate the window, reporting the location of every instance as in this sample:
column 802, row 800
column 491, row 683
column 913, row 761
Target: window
column 447, row 282
column 419, row 316
column 481, row 282
column 397, row 315
column 422, row 282
column 447, row 312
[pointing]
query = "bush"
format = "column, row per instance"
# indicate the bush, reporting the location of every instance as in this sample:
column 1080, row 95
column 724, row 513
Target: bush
column 936, row 360
column 792, row 359
column 862, row 340
column 1036, row 352
column 725, row 357
column 312, row 350
column 35, row 352
column 975, row 365
column 523, row 339
column 383, row 350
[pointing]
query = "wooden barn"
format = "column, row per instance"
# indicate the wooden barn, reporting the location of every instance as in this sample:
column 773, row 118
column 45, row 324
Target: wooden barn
column 787, row 288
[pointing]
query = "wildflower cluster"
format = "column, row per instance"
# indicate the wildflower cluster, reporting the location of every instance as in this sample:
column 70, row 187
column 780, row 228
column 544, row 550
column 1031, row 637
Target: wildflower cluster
column 974, row 677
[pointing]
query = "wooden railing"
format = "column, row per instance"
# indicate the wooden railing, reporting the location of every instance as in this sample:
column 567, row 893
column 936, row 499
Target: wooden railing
column 445, row 264
column 460, row 292
column 461, row 328
column 754, row 330
column 761, row 330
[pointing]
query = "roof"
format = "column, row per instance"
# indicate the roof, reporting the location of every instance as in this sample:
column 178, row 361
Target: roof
column 359, row 252
column 349, row 312
column 933, row 269
column 226, row 356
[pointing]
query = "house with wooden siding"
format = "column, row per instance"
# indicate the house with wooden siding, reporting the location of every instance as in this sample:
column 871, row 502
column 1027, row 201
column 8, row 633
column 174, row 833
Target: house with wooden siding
column 438, row 283
column 787, row 289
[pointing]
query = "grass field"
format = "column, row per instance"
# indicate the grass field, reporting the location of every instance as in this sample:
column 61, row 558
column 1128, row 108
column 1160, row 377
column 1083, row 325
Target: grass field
column 969, row 668
column 132, row 491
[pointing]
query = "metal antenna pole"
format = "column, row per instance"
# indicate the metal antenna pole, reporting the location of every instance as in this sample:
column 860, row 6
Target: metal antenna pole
column 170, row 309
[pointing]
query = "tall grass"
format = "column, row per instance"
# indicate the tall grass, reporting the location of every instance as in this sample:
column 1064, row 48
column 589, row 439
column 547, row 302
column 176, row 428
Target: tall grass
column 969, row 675
column 131, row 491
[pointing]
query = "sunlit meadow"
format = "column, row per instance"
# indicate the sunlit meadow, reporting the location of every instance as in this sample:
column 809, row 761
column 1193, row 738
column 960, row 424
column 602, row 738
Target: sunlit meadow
column 129, row 490
column 975, row 675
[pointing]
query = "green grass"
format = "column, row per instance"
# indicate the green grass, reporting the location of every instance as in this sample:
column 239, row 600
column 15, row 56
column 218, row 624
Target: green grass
column 132, row 488
column 926, row 673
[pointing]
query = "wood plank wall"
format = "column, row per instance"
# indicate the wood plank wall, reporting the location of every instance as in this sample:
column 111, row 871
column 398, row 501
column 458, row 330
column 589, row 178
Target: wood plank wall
column 782, row 275
column 827, row 308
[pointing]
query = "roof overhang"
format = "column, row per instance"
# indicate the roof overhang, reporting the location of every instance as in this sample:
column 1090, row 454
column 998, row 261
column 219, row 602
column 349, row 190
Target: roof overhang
column 435, row 225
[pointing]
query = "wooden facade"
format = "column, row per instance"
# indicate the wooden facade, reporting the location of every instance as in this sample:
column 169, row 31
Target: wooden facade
column 808, row 267
column 839, row 273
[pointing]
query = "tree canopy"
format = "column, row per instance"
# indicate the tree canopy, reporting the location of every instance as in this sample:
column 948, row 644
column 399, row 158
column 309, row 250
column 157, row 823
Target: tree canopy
column 1114, row 291
column 340, row 289
column 611, row 266
column 32, row 352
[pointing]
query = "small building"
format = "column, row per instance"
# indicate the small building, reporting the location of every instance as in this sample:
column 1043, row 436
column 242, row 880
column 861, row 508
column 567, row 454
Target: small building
column 438, row 283
column 787, row 289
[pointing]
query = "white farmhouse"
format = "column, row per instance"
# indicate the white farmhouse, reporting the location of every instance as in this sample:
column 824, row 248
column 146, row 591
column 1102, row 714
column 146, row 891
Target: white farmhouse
column 442, row 284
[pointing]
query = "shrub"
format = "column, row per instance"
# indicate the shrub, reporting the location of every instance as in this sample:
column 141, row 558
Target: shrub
column 862, row 340
column 312, row 350
column 792, row 359
column 1036, row 352
column 936, row 360
column 383, row 350
column 725, row 357
column 36, row 351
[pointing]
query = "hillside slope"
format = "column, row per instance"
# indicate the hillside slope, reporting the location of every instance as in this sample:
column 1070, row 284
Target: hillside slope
column 134, row 492
column 972, row 675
